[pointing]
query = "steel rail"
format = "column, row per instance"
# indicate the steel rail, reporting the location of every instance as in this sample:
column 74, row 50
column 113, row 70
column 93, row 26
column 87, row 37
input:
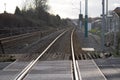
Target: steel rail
column 25, row 71
column 75, row 69
column 16, row 37
column 79, row 73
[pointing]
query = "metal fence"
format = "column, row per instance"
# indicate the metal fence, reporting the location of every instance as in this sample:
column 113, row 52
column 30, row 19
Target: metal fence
column 113, row 27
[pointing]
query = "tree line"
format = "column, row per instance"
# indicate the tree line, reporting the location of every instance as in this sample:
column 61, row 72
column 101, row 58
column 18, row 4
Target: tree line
column 37, row 11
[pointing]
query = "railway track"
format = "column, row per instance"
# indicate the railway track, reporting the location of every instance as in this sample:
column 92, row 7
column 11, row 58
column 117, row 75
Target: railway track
column 22, row 36
column 76, row 69
column 81, row 42
column 10, row 44
column 17, row 37
column 60, row 50
column 24, row 72
column 76, row 73
column 16, row 44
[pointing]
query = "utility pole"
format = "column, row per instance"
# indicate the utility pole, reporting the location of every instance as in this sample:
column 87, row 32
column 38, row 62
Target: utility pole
column 86, row 18
column 80, row 17
column 103, row 26
column 80, row 8
column 107, row 27
column 5, row 7
column 106, row 7
column 108, row 23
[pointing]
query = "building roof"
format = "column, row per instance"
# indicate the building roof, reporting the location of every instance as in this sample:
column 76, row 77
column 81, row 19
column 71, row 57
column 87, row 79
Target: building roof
column 117, row 10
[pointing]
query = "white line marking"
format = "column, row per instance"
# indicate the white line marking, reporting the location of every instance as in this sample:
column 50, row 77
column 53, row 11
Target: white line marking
column 99, row 70
column 88, row 49
column 9, row 65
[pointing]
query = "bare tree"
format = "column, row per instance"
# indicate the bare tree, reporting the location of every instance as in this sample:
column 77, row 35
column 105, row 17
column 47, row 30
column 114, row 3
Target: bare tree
column 40, row 4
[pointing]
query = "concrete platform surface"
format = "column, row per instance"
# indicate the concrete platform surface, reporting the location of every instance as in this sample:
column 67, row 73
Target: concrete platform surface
column 51, row 70
column 110, row 68
column 89, row 71
column 12, row 70
column 100, row 69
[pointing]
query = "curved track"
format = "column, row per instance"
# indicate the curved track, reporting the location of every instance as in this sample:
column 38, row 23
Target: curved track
column 59, row 57
column 24, row 72
column 62, row 47
column 44, row 55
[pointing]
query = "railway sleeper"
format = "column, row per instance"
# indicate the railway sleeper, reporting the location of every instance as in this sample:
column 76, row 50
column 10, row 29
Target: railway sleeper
column 95, row 56
column 83, row 56
column 90, row 57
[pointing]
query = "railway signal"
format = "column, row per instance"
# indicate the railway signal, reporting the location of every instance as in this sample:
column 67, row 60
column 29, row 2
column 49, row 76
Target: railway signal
column 80, row 20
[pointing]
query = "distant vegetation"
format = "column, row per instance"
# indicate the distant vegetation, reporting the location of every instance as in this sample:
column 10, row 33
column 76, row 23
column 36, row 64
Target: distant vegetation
column 32, row 17
column 36, row 11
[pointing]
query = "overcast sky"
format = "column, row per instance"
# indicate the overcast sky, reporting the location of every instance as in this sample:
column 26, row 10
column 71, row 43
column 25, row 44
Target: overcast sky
column 65, row 8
